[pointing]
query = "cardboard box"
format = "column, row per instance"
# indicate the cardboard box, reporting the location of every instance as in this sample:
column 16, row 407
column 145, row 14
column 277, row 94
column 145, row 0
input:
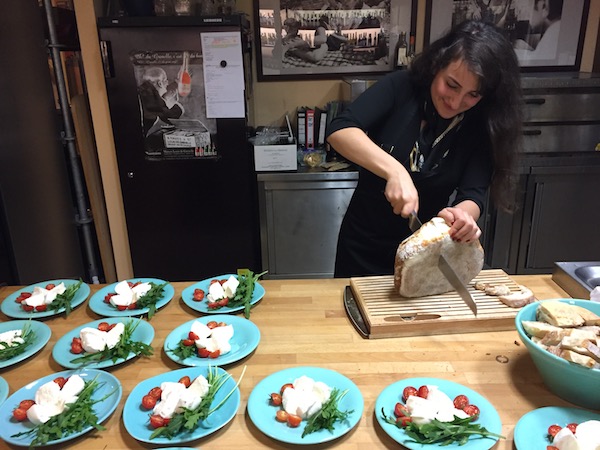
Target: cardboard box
column 275, row 157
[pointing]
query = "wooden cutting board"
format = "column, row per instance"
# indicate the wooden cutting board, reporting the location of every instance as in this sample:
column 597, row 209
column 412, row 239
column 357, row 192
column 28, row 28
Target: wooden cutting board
column 384, row 313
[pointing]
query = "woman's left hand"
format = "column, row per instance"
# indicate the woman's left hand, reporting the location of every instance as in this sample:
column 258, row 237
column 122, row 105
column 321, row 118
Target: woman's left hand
column 463, row 227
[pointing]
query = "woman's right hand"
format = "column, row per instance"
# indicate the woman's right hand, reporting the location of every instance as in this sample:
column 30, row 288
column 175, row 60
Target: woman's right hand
column 402, row 194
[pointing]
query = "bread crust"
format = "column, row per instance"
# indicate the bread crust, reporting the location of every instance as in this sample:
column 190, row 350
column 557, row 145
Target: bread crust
column 416, row 272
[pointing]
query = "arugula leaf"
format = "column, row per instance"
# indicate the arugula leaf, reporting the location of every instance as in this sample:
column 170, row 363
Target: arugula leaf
column 443, row 433
column 149, row 299
column 76, row 417
column 124, row 347
column 328, row 415
column 64, row 300
column 10, row 351
column 184, row 351
column 190, row 419
column 243, row 293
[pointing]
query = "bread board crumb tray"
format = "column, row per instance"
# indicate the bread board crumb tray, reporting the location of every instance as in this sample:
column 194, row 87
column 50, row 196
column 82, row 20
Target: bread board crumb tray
column 378, row 311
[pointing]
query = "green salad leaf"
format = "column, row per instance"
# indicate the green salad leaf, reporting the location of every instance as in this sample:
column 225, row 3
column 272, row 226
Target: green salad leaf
column 10, row 351
column 244, row 291
column 443, row 433
column 190, row 419
column 328, row 415
column 64, row 300
column 124, row 347
column 76, row 417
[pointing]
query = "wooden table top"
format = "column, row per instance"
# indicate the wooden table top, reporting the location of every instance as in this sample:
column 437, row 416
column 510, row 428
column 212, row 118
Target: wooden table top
column 303, row 323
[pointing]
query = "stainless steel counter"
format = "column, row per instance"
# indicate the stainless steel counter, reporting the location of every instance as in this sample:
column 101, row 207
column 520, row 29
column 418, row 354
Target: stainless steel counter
column 300, row 216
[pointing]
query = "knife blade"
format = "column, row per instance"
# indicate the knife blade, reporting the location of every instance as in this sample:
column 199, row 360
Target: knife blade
column 414, row 223
column 456, row 283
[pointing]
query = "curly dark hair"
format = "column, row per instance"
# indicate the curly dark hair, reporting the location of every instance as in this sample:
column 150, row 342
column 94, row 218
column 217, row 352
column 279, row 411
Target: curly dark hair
column 490, row 56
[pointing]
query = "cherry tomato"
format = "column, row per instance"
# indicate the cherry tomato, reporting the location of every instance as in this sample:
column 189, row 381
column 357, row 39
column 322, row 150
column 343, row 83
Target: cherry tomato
column 408, row 391
column 212, row 324
column 20, row 298
column 472, row 411
column 111, row 326
column 27, row 307
column 50, row 286
column 551, row 447
column 223, row 281
column 19, row 414
column 103, row 326
column 401, row 410
column 26, row 404
column 213, row 281
column 187, row 342
column 223, row 302
column 285, row 386
column 121, row 307
column 132, row 306
column 572, row 427
column 203, row 353
column 423, row 392
column 198, row 295
column 26, row 294
column 403, row 421
column 156, row 421
column 41, row 308
column 76, row 347
column 281, row 415
column 148, row 402
column 215, row 354
column 213, row 305
column 553, row 429
column 60, row 381
column 293, row 420
column 185, row 381
column 193, row 336
column 276, row 399
column 155, row 392
column 460, row 401
column 108, row 296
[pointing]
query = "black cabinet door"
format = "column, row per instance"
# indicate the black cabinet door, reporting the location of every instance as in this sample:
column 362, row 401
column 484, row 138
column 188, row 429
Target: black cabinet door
column 560, row 218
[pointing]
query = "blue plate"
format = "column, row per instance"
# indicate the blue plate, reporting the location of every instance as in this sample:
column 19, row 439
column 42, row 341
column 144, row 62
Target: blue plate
column 531, row 431
column 137, row 422
column 107, row 310
column 62, row 349
column 262, row 413
column 3, row 390
column 13, row 309
column 246, row 337
column 108, row 384
column 392, row 394
column 42, row 336
column 187, row 296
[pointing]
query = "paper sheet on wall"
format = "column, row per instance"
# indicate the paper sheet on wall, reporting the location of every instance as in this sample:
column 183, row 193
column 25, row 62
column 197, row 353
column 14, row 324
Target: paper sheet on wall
column 223, row 74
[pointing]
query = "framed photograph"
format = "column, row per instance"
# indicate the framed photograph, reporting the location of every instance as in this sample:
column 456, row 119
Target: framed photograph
column 547, row 35
column 306, row 39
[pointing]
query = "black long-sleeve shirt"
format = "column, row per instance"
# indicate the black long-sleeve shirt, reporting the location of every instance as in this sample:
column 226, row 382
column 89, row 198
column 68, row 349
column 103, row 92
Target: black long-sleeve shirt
column 390, row 112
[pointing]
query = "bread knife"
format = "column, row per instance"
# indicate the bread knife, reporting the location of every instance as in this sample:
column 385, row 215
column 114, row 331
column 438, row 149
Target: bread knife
column 414, row 224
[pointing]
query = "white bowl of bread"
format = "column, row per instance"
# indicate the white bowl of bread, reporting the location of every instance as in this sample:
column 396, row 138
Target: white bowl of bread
column 563, row 339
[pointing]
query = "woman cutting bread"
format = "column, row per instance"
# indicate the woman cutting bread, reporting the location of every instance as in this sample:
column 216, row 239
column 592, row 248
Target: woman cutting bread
column 451, row 122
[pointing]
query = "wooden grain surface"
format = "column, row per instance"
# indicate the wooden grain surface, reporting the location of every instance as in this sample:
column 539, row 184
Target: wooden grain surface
column 387, row 314
column 303, row 322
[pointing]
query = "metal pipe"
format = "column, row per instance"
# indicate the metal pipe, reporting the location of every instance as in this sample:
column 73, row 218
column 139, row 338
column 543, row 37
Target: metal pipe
column 83, row 219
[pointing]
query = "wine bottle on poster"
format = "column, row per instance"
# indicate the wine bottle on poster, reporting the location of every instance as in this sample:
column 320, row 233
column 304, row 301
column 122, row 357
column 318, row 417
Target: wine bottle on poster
column 184, row 81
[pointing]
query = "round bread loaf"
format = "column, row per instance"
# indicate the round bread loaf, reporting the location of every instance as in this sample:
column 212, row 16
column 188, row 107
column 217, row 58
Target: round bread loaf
column 416, row 272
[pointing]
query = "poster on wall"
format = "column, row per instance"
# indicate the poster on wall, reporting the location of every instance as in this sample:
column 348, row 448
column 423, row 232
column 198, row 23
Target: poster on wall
column 173, row 118
column 302, row 39
column 546, row 34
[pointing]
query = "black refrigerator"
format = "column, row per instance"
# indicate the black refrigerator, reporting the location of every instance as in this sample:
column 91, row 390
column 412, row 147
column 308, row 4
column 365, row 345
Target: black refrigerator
column 185, row 165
